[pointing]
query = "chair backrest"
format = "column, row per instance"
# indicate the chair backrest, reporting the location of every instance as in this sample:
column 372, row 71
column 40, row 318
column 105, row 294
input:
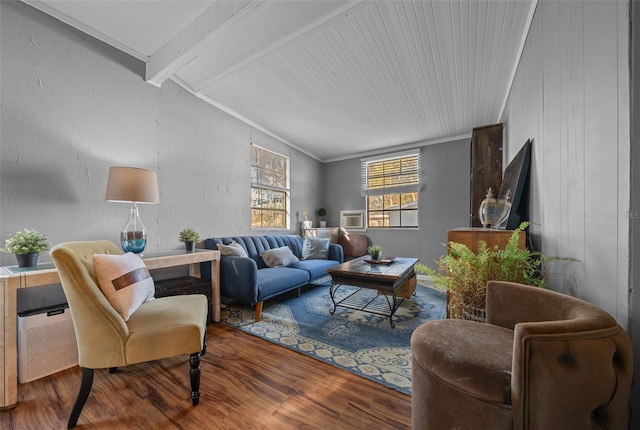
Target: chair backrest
column 572, row 362
column 101, row 333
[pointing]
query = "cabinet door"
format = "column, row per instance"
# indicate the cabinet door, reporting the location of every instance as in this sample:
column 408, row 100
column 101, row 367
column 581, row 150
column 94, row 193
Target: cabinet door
column 486, row 166
column 492, row 237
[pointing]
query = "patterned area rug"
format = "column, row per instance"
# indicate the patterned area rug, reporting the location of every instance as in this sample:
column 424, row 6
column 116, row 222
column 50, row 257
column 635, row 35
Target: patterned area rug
column 359, row 342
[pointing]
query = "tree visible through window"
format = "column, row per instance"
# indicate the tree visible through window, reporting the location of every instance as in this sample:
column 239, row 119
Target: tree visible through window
column 269, row 189
column 391, row 185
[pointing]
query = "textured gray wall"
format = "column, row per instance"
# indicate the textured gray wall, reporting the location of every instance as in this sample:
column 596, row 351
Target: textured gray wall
column 444, row 201
column 73, row 106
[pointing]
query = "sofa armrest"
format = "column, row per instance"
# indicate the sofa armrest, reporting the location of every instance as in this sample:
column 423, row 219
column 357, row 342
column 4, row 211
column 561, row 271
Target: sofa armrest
column 238, row 278
column 336, row 253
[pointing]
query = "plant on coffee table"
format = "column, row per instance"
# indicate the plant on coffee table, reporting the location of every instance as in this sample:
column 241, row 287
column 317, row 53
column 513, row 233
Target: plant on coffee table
column 374, row 251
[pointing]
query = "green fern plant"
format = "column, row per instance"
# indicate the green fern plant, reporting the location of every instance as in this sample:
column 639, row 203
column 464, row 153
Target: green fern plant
column 464, row 274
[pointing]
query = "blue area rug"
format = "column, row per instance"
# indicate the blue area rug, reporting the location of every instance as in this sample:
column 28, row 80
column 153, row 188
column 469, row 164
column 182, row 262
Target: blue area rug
column 359, row 342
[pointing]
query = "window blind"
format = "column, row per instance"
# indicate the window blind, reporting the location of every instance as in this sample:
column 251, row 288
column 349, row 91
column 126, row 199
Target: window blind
column 392, row 173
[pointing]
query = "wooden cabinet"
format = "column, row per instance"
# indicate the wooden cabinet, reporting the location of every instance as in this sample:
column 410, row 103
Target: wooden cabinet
column 471, row 237
column 486, row 166
column 491, row 236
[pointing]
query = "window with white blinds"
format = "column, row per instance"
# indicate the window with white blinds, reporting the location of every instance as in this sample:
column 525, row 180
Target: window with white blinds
column 391, row 185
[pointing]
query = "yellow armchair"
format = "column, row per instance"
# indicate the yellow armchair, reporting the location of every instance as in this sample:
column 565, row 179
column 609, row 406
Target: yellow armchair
column 160, row 328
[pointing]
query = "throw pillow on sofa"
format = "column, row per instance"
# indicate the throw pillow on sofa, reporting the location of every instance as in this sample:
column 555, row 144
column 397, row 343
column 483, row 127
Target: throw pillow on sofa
column 234, row 249
column 279, row 257
column 124, row 280
column 315, row 248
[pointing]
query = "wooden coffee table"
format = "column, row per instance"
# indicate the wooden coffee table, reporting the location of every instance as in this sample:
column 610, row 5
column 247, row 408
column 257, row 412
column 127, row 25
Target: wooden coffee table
column 386, row 278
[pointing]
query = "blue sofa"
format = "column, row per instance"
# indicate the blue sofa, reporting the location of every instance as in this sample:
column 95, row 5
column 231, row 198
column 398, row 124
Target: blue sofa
column 249, row 280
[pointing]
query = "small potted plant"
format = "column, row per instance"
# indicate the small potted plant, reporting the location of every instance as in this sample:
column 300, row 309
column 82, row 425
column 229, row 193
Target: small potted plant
column 27, row 246
column 374, row 252
column 322, row 212
column 190, row 237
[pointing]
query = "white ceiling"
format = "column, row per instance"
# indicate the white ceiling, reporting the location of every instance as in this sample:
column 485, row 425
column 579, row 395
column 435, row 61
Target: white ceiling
column 334, row 79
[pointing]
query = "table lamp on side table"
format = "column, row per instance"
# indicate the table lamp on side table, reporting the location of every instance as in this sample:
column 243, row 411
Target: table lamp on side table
column 132, row 185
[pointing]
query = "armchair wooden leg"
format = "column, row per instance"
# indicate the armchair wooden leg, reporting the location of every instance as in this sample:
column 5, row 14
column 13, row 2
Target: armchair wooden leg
column 258, row 310
column 204, row 345
column 194, row 376
column 85, row 388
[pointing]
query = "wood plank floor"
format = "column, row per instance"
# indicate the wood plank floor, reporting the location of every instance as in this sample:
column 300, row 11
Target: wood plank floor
column 247, row 383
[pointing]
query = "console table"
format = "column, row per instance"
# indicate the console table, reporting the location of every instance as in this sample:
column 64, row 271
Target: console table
column 13, row 277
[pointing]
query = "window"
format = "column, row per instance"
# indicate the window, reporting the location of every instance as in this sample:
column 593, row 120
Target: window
column 269, row 189
column 391, row 185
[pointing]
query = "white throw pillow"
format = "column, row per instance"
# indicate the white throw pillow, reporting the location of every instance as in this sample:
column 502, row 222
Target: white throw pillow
column 124, row 280
column 234, row 249
column 315, row 248
column 279, row 257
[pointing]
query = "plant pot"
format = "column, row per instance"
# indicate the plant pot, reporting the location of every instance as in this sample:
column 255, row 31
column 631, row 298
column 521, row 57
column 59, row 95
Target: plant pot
column 27, row 260
column 190, row 246
column 323, row 224
column 307, row 224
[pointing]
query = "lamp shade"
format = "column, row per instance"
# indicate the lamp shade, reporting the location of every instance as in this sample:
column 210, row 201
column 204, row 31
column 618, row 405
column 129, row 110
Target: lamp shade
column 131, row 184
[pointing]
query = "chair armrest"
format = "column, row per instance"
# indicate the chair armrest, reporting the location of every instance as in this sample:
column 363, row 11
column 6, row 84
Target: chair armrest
column 564, row 377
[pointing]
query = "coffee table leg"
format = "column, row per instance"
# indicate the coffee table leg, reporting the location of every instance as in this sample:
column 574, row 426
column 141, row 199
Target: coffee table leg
column 393, row 310
column 332, row 291
column 393, row 306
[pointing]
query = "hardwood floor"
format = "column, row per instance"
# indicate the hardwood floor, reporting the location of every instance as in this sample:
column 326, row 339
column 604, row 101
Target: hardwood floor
column 247, row 383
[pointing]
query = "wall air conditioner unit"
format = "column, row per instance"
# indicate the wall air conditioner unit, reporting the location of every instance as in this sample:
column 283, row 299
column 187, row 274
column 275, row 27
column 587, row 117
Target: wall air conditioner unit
column 353, row 220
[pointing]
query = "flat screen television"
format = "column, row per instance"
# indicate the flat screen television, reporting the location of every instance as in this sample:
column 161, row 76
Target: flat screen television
column 516, row 180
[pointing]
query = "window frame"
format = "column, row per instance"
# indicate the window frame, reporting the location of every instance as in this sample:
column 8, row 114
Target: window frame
column 261, row 187
column 398, row 182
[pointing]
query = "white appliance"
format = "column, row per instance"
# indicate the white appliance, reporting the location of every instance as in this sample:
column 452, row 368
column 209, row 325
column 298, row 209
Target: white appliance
column 46, row 338
column 353, row 220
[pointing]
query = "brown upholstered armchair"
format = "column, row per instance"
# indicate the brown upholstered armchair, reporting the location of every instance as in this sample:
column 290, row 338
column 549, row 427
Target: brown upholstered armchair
column 543, row 360
column 159, row 328
column 353, row 245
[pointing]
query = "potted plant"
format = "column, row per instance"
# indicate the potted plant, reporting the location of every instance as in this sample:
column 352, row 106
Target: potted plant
column 374, row 252
column 189, row 236
column 322, row 212
column 464, row 274
column 27, row 246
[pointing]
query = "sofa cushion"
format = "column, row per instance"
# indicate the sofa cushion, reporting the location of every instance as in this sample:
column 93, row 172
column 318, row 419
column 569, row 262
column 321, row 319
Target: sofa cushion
column 234, row 249
column 315, row 248
column 271, row 280
column 279, row 257
column 124, row 280
column 316, row 268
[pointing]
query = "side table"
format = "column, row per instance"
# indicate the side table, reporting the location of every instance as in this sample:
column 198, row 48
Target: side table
column 12, row 278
